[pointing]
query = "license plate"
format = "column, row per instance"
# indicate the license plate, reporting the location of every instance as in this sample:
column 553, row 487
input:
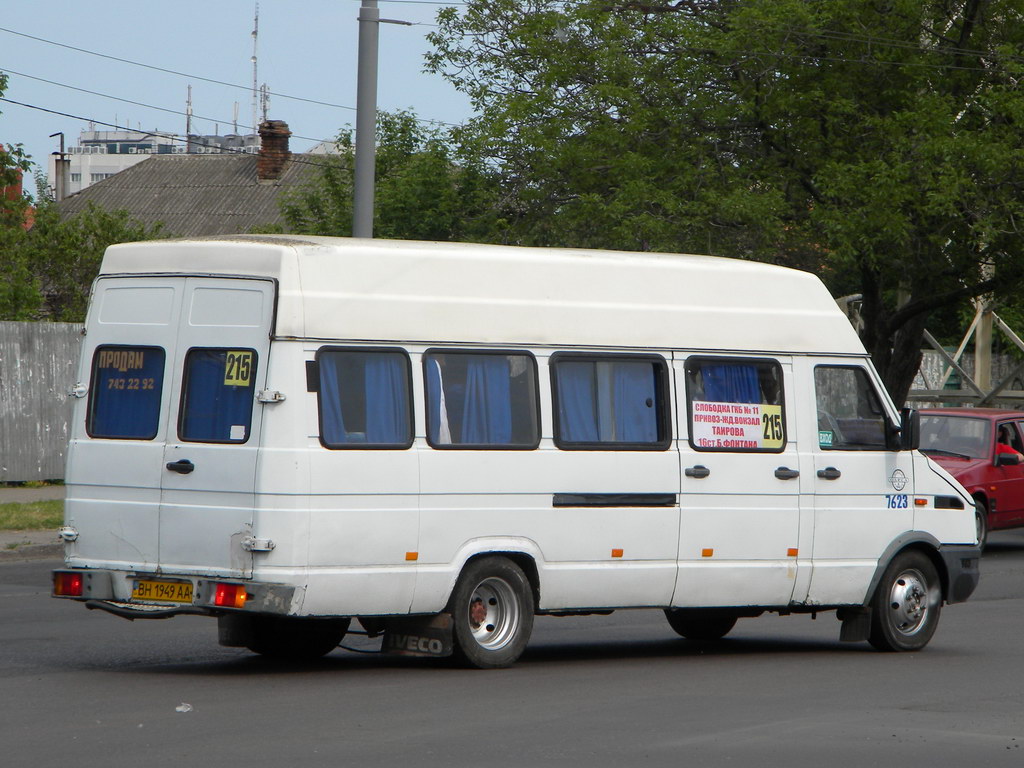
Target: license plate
column 162, row 591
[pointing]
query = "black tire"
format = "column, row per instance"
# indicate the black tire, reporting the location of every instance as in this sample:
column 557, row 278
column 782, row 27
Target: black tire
column 981, row 522
column 701, row 625
column 906, row 604
column 295, row 639
column 492, row 613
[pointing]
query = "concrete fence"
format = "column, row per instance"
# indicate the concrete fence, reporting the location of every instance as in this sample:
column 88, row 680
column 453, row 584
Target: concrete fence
column 38, row 365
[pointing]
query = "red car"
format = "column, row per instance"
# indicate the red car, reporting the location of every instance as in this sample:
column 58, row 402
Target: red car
column 982, row 448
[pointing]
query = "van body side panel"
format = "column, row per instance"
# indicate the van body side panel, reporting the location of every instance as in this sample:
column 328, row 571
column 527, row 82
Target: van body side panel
column 588, row 556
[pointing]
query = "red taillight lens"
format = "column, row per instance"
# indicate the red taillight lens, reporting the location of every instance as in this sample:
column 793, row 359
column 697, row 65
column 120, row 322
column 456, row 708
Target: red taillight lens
column 68, row 584
column 230, row 596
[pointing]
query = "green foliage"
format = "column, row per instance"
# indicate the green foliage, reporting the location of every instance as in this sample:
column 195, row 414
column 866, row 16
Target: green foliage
column 876, row 142
column 424, row 189
column 47, row 271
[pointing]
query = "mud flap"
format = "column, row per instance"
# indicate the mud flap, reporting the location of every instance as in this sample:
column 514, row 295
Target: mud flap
column 856, row 624
column 418, row 636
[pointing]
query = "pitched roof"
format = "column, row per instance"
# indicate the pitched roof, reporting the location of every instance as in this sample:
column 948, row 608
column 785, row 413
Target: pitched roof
column 195, row 195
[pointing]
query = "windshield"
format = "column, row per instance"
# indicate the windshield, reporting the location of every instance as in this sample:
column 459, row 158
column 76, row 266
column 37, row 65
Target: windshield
column 955, row 436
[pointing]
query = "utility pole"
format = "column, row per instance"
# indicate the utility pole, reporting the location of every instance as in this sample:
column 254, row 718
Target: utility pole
column 366, row 117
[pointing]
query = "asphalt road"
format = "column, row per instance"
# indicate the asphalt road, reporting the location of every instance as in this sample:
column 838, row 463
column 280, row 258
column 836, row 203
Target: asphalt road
column 87, row 689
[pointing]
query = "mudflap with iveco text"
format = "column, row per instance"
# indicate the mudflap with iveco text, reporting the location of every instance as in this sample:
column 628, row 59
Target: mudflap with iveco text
column 418, row 636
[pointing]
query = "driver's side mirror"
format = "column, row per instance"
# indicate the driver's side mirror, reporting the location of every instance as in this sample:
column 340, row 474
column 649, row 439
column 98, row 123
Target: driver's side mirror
column 1007, row 459
column 910, row 429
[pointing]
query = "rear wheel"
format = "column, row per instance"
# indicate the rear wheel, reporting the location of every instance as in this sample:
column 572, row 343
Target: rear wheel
column 295, row 639
column 700, row 624
column 906, row 604
column 492, row 613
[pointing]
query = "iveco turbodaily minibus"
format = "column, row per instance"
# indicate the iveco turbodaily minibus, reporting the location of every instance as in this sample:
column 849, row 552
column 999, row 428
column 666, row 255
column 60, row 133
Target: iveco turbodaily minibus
column 441, row 441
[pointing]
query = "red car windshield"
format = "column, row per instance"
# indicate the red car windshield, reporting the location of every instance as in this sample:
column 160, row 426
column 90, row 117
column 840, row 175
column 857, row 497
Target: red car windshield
column 958, row 436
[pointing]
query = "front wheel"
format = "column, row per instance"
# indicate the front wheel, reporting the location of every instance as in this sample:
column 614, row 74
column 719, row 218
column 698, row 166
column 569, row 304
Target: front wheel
column 906, row 604
column 981, row 522
column 492, row 612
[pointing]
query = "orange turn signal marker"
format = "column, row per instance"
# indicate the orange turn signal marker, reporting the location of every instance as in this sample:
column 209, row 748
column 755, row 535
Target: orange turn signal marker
column 707, row 552
column 792, row 552
column 920, row 502
column 616, row 553
column 412, row 556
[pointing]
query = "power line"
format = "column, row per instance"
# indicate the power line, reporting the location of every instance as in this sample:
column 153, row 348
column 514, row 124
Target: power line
column 160, row 134
column 136, row 103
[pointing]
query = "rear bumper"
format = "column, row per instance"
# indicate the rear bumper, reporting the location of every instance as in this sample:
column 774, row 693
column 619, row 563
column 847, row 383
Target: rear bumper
column 963, row 569
column 112, row 591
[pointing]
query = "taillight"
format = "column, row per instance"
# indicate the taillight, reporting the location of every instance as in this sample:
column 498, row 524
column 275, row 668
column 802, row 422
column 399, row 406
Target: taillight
column 230, row 596
column 68, row 584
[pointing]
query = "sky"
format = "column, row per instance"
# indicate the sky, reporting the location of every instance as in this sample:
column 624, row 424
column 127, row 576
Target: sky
column 306, row 50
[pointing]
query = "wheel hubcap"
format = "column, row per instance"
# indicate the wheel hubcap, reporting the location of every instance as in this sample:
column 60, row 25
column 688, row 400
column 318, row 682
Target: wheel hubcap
column 910, row 602
column 493, row 614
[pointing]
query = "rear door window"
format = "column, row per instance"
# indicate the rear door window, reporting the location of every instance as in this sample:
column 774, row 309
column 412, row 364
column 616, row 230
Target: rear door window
column 217, row 395
column 127, row 384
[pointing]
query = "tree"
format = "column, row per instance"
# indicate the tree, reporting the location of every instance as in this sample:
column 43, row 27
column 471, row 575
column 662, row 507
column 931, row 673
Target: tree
column 876, row 142
column 47, row 271
column 424, row 189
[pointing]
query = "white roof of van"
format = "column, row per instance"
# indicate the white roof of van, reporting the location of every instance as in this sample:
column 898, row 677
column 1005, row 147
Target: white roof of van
column 435, row 293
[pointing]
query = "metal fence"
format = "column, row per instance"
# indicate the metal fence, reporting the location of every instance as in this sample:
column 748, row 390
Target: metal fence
column 38, row 365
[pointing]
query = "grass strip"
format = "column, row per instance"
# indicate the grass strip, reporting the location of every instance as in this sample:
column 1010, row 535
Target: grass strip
column 32, row 515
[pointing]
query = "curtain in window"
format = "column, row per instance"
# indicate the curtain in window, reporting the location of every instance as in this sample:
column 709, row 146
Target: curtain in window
column 387, row 406
column 333, row 423
column 731, row 383
column 212, row 407
column 437, row 410
column 487, row 409
column 635, row 420
column 577, row 402
column 126, row 404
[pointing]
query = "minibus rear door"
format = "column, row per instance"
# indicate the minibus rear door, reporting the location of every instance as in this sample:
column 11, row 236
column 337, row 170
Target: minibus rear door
column 213, row 434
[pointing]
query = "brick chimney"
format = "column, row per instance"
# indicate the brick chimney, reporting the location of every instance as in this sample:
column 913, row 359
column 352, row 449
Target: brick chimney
column 274, row 152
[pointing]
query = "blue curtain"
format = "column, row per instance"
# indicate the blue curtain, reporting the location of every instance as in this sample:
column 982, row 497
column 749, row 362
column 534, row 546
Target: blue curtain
column 635, row 419
column 212, row 407
column 487, row 408
column 387, row 404
column 577, row 402
column 332, row 430
column 731, row 384
column 126, row 403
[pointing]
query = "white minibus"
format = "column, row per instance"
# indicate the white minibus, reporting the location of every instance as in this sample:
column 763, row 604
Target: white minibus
column 441, row 441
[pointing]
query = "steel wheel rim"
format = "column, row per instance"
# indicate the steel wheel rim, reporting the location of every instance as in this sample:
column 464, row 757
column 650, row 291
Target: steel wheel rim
column 493, row 614
column 910, row 602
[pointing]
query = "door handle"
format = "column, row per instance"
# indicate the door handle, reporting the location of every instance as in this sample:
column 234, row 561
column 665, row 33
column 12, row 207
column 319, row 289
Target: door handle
column 785, row 473
column 829, row 473
column 699, row 471
column 182, row 467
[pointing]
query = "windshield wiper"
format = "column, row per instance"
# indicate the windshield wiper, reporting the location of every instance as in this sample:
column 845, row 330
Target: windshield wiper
column 946, row 453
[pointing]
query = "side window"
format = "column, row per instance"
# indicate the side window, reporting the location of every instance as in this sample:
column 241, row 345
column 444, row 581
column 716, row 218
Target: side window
column 218, row 389
column 610, row 402
column 850, row 412
column 735, row 404
column 481, row 400
column 364, row 398
column 124, row 396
